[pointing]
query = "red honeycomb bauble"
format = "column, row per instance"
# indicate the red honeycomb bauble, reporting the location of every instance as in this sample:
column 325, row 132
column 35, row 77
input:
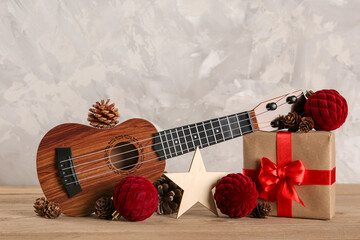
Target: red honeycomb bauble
column 327, row 108
column 236, row 195
column 135, row 198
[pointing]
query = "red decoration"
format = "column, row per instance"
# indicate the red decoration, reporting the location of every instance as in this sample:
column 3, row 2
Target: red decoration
column 280, row 180
column 135, row 198
column 236, row 195
column 327, row 108
column 277, row 181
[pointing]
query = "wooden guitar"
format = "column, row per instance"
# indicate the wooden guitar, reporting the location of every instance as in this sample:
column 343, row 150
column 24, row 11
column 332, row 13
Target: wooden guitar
column 76, row 164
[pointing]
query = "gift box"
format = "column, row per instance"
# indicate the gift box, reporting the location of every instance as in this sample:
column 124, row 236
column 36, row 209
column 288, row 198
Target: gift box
column 295, row 172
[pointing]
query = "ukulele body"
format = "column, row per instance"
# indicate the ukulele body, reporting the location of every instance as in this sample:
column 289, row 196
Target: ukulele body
column 118, row 152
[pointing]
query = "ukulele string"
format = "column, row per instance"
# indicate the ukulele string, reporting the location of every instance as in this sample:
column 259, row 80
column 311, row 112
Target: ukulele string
column 85, row 155
column 152, row 145
column 88, row 154
column 252, row 111
column 166, row 155
column 127, row 159
column 153, row 159
column 283, row 98
column 174, row 145
column 147, row 139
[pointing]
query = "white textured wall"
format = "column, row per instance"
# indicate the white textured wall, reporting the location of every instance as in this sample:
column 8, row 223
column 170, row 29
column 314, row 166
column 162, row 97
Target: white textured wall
column 173, row 63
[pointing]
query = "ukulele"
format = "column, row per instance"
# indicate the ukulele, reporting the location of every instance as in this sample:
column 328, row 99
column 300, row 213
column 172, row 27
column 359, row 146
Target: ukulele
column 77, row 164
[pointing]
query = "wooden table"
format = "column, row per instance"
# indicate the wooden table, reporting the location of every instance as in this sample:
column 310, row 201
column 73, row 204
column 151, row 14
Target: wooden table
column 18, row 221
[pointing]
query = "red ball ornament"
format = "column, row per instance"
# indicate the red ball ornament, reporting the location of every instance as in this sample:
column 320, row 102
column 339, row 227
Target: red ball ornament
column 327, row 108
column 236, row 195
column 135, row 198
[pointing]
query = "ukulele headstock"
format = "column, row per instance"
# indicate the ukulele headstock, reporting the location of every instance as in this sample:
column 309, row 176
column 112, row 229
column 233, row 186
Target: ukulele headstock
column 264, row 114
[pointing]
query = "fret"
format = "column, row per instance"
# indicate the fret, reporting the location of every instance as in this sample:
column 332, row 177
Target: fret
column 209, row 133
column 222, row 132
column 194, row 135
column 234, row 125
column 212, row 128
column 239, row 124
column 170, row 143
column 189, row 139
column 184, row 146
column 207, row 138
column 218, row 132
column 176, row 141
column 227, row 118
column 177, row 136
column 245, row 122
column 165, row 144
column 162, row 144
column 159, row 147
column 225, row 127
column 202, row 134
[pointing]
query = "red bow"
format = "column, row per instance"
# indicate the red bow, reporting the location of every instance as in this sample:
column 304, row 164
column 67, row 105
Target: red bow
column 279, row 181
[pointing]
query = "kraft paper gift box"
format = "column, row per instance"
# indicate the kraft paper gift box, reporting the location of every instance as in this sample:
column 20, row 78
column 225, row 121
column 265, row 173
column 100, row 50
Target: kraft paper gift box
column 288, row 182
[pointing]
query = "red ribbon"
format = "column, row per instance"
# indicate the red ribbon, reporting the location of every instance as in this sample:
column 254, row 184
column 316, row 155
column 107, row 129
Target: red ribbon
column 277, row 181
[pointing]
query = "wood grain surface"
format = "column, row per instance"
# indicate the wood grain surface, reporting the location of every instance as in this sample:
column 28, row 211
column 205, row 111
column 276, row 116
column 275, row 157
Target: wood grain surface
column 101, row 175
column 18, row 221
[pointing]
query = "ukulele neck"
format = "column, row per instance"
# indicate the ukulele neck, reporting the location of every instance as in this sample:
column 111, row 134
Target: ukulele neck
column 178, row 141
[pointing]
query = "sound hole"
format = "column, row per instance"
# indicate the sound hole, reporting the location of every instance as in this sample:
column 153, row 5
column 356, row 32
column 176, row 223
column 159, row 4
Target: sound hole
column 124, row 156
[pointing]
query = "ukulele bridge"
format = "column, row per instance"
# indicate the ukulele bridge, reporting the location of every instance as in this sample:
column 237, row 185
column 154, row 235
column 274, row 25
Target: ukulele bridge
column 67, row 171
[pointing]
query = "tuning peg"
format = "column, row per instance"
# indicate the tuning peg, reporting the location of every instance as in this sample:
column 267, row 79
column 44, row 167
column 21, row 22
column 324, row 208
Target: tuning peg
column 291, row 99
column 275, row 123
column 271, row 106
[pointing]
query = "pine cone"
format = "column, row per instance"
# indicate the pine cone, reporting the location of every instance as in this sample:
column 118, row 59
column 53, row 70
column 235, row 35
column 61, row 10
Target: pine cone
column 306, row 124
column 292, row 121
column 39, row 205
column 102, row 115
column 169, row 196
column 261, row 210
column 51, row 210
column 104, row 207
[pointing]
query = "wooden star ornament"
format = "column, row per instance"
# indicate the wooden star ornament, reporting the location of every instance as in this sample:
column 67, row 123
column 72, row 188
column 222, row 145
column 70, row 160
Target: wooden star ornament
column 197, row 185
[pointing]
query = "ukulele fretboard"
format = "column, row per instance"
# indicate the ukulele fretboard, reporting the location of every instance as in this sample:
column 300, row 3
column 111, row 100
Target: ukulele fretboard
column 177, row 141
